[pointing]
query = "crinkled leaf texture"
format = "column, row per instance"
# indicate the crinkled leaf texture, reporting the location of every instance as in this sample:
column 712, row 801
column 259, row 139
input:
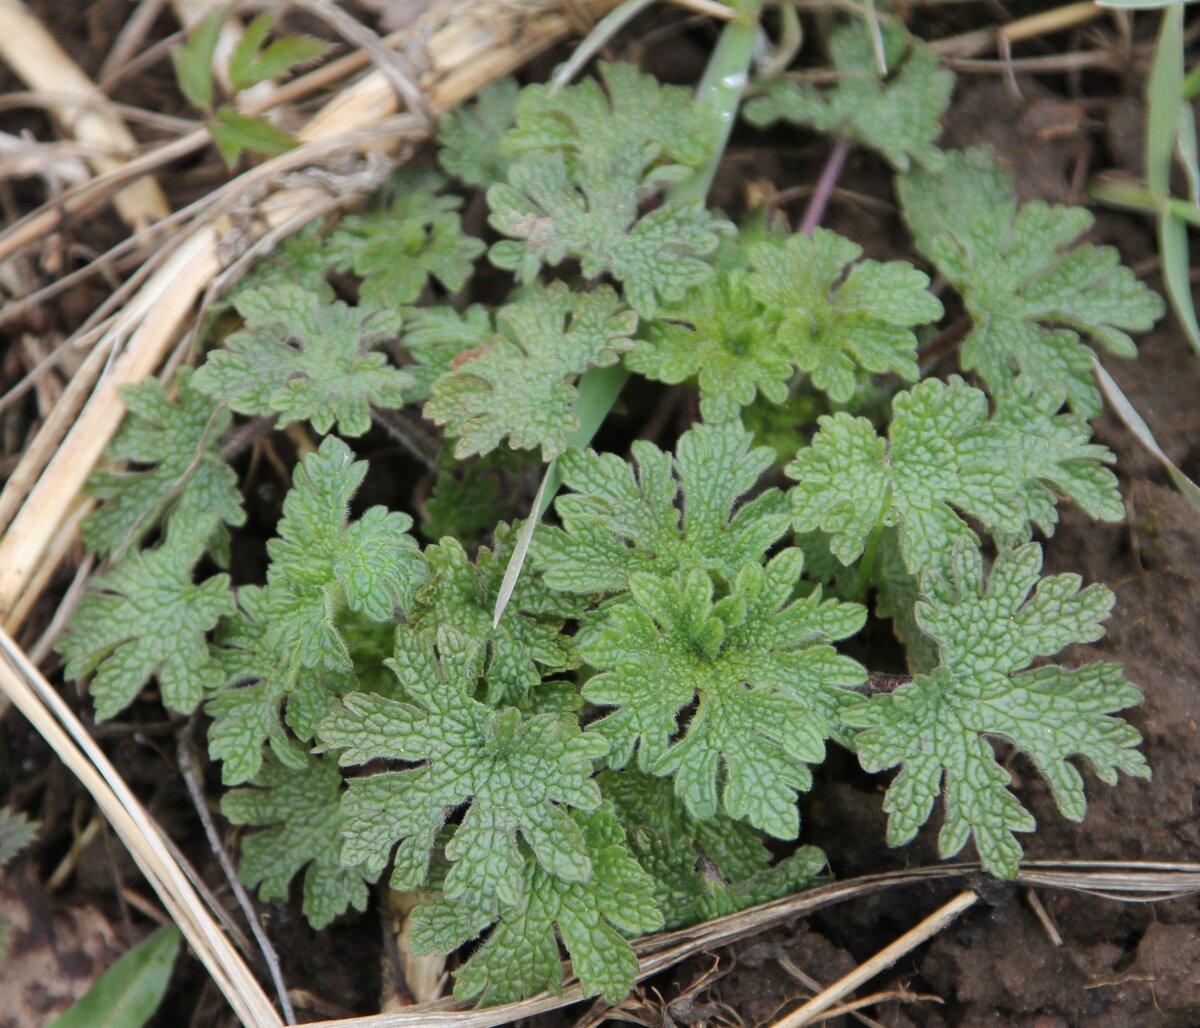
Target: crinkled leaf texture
column 702, row 867
column 302, row 357
column 529, row 641
column 469, row 137
column 835, row 322
column 435, row 337
column 900, row 117
column 321, row 563
column 176, row 470
column 621, row 519
column 520, row 386
column 1029, row 292
column 520, row 957
column 398, row 250
column 943, row 459
column 299, row 807
column 515, row 774
column 721, row 335
column 264, row 688
column 937, row 727
column 587, row 167
column 146, row 618
column 758, row 662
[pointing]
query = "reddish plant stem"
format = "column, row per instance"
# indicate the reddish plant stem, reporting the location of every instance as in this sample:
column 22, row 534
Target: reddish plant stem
column 947, row 338
column 825, row 184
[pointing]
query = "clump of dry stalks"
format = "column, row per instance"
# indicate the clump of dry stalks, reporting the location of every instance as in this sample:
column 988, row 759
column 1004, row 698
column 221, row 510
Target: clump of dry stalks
column 439, row 60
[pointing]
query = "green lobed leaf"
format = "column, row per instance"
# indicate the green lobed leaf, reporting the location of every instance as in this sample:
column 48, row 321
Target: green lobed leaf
column 721, row 335
column 758, row 663
column 322, row 563
column 302, row 358
column 645, row 803
column 398, row 250
column 521, row 385
column 689, row 893
column 469, row 137
column 263, row 687
column 942, row 457
column 16, row 833
column 527, row 644
column 299, row 807
column 516, row 775
column 937, row 728
column 468, row 499
column 621, row 519
column 1029, row 292
column 839, row 316
column 437, row 337
column 593, row 215
column 589, row 160
column 145, row 618
column 236, row 133
column 177, row 471
column 520, row 957
column 193, row 61
column 899, row 117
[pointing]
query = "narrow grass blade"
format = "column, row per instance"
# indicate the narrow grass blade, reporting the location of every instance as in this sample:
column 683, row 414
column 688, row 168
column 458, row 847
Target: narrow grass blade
column 1132, row 420
column 604, row 30
column 598, row 391
column 129, row 992
column 1164, row 95
column 1176, row 271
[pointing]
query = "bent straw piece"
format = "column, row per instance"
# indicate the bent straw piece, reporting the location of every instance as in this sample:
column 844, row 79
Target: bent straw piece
column 881, row 961
column 464, row 50
column 29, row 49
column 1127, row 881
column 55, row 722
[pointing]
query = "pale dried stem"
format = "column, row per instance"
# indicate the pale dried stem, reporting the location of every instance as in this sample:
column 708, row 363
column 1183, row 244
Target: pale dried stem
column 46, row 711
column 33, row 53
column 816, row 1007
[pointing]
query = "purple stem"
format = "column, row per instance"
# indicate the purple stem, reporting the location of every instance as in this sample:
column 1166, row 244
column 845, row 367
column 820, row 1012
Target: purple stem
column 829, row 176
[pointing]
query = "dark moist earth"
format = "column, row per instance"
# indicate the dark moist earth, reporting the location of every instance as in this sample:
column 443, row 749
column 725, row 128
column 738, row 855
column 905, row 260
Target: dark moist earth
column 1118, row 965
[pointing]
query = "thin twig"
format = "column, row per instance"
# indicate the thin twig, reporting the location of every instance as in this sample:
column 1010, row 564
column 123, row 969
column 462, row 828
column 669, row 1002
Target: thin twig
column 824, row 190
column 1043, row 916
column 391, row 65
column 191, row 776
column 881, row 961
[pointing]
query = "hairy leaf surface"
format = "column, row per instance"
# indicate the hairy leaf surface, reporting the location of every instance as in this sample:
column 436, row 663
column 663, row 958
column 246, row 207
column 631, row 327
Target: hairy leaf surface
column 521, row 385
column 943, row 459
column 520, row 957
column 622, row 519
column 588, row 164
column 299, row 808
column 322, row 563
column 303, row 358
column 515, row 774
column 938, row 727
column 146, row 618
column 835, row 322
column 177, row 471
column 768, row 686
column 1030, row 293
column 899, row 117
